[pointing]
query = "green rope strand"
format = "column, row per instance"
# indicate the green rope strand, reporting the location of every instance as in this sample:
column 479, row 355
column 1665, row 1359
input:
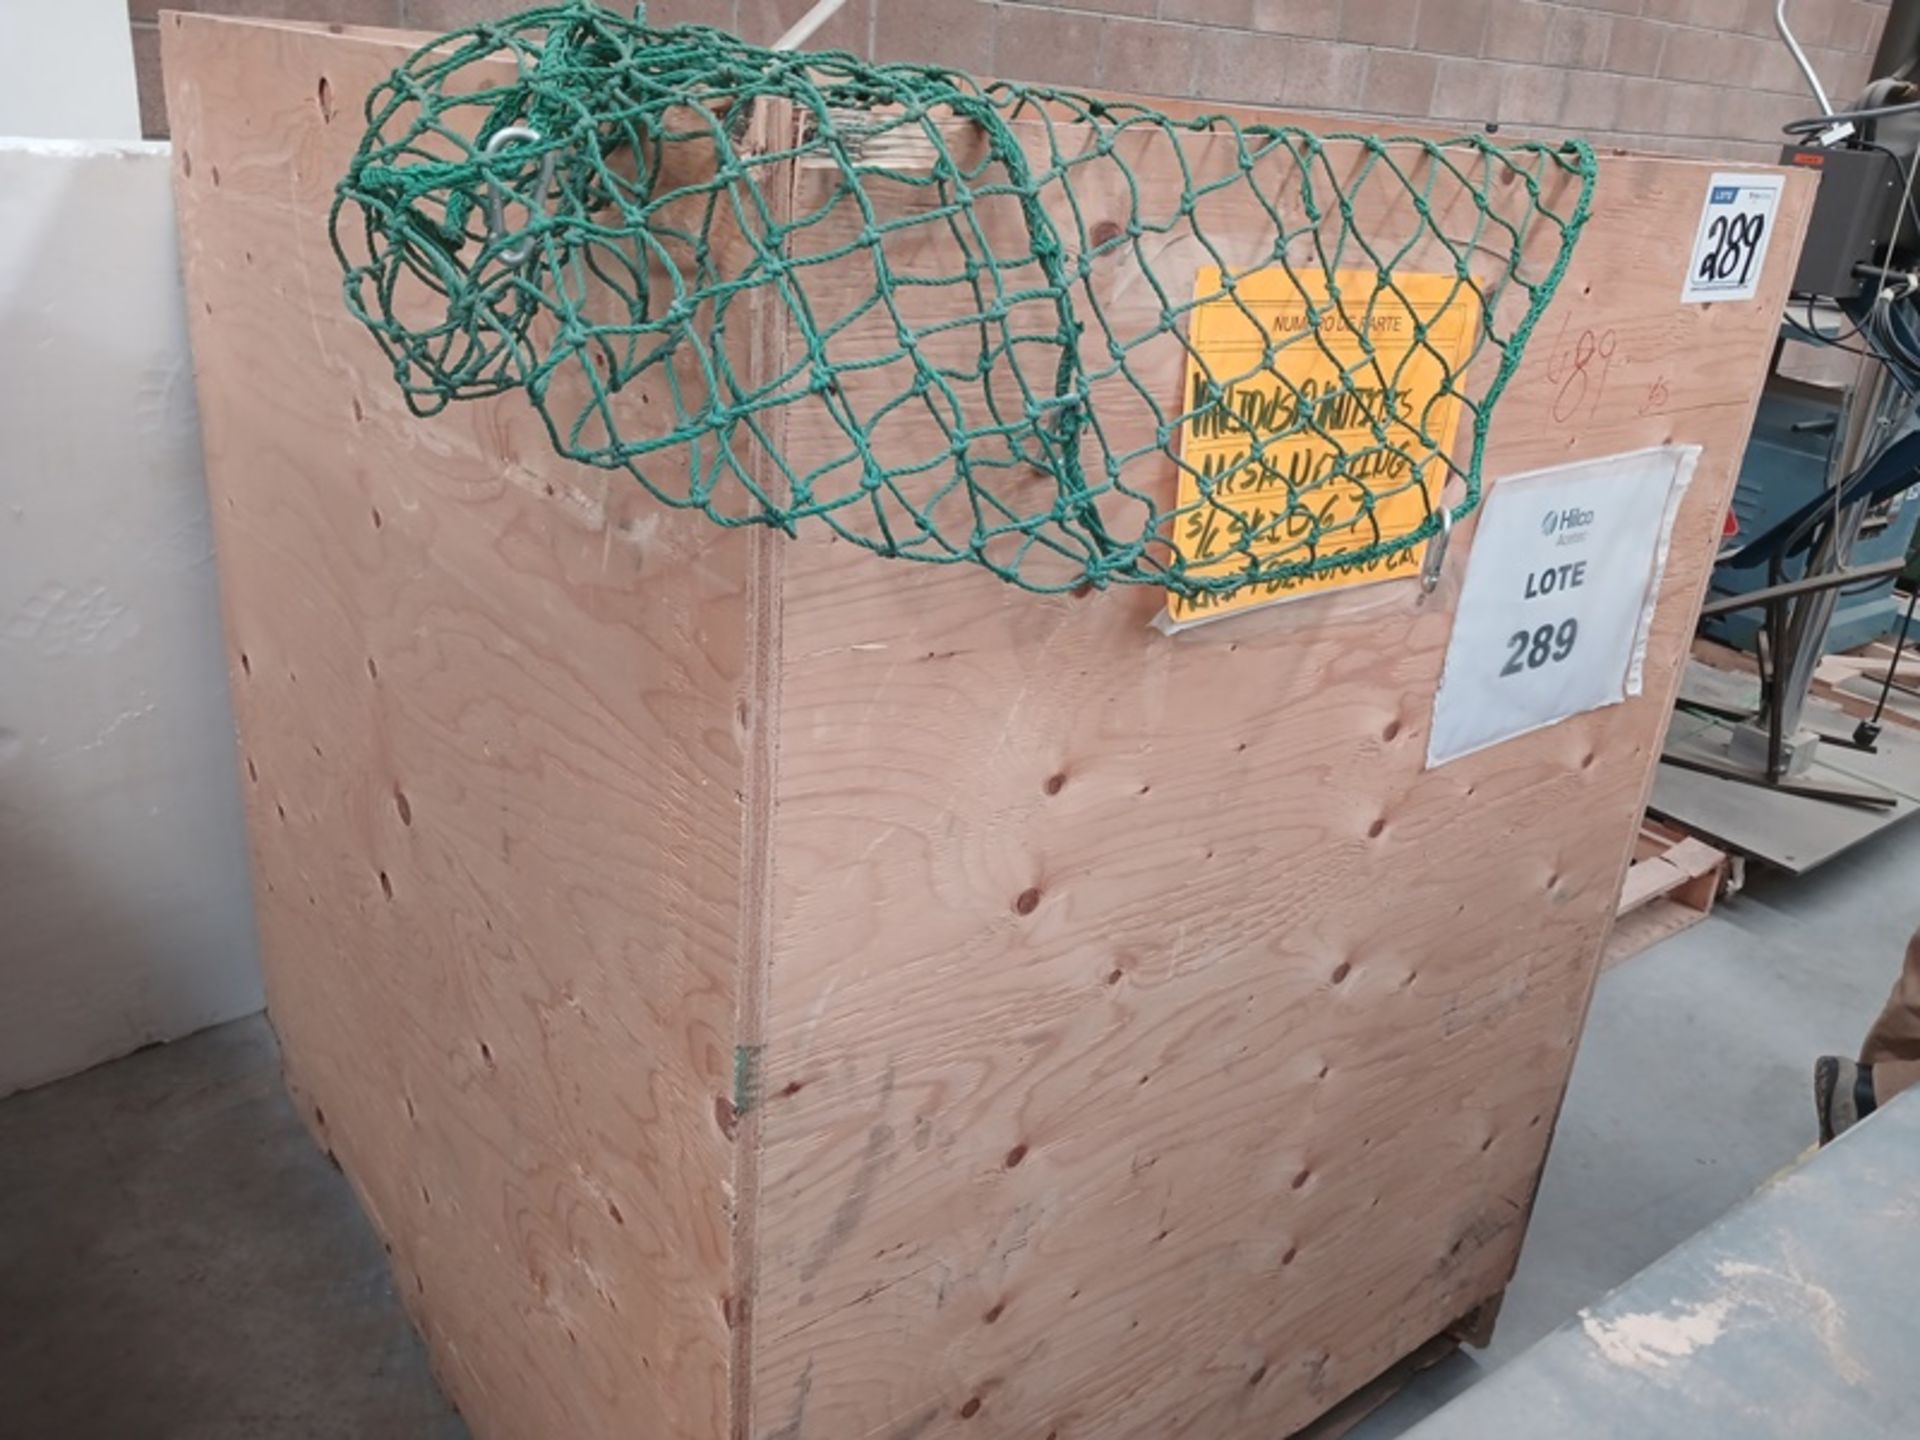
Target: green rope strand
column 1002, row 393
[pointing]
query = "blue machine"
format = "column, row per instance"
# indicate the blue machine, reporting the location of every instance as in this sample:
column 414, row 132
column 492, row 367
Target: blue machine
column 1785, row 466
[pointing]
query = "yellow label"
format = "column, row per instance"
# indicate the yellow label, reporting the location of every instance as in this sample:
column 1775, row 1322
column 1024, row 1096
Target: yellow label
column 1332, row 423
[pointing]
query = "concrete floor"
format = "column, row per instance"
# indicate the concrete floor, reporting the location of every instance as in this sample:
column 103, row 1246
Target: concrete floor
column 1694, row 1084
column 177, row 1262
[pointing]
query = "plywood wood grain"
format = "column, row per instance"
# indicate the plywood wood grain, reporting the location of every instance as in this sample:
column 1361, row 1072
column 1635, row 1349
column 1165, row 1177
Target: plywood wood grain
column 1136, row 1040
column 1153, row 1047
column 492, row 709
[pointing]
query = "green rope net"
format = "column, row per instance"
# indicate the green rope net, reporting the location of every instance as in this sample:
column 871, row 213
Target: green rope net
column 1074, row 341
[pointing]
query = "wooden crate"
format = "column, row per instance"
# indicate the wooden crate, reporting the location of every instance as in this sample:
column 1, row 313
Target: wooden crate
column 762, row 991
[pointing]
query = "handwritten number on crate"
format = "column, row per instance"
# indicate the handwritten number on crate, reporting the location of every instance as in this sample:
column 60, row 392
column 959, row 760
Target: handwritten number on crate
column 1580, row 370
column 1733, row 243
column 1546, row 644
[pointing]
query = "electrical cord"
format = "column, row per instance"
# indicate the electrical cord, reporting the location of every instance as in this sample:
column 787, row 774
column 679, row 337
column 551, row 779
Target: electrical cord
column 1863, row 587
column 1836, row 339
column 1899, row 649
column 1813, row 124
column 1890, row 327
column 1811, row 333
column 1886, row 345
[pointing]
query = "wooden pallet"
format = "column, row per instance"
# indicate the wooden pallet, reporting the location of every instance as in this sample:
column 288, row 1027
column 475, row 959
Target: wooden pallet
column 1853, row 681
column 1672, row 885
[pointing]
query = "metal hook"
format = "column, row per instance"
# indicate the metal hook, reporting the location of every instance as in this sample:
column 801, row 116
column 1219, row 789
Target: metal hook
column 1436, row 555
column 497, row 198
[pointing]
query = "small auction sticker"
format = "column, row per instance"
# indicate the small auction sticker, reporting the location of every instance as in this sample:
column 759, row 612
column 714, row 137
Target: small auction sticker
column 1730, row 248
column 1558, row 597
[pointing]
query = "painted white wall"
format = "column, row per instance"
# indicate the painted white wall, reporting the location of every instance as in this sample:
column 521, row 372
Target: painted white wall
column 66, row 70
column 125, row 906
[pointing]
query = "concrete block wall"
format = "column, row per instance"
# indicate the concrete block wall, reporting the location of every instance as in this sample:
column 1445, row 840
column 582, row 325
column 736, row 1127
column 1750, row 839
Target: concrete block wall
column 1696, row 77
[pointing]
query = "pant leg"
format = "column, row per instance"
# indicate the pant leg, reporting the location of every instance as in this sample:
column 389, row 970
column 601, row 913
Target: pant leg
column 1892, row 1046
column 1890, row 1077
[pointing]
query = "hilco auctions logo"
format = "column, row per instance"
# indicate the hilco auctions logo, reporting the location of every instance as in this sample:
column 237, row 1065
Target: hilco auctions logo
column 1564, row 522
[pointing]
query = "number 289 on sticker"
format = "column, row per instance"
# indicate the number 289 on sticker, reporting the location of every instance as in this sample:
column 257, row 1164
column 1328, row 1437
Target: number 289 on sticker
column 1730, row 248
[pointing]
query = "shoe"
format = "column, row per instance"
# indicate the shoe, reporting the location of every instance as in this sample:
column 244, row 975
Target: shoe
column 1842, row 1095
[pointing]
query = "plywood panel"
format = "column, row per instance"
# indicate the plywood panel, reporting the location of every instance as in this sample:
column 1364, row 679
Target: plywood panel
column 495, row 731
column 1153, row 1047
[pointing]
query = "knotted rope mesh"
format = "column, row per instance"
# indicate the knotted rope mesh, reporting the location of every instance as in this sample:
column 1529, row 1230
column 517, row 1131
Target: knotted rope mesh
column 953, row 321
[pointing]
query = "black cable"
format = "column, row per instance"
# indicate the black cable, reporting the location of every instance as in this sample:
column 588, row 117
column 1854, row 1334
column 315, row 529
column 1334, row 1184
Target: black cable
column 1890, row 346
column 1887, row 346
column 1836, row 339
column 1894, row 466
column 1895, row 328
column 1899, row 645
column 1815, row 123
column 1861, row 587
column 1814, row 337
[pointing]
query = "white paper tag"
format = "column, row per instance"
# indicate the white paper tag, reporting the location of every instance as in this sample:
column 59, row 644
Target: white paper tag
column 1730, row 248
column 1558, row 597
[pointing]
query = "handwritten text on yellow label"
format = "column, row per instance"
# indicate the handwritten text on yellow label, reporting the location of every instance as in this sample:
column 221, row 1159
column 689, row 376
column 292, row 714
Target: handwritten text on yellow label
column 1336, row 422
